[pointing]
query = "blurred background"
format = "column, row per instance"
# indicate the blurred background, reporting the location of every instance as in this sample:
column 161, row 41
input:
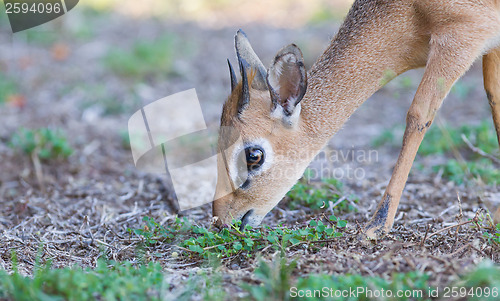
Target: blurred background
column 108, row 56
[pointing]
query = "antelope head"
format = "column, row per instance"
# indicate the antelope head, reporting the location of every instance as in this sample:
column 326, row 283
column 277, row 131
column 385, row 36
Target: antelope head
column 263, row 113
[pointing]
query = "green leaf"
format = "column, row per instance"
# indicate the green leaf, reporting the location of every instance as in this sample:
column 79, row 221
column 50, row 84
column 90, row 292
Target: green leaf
column 271, row 238
column 237, row 245
column 196, row 248
column 249, row 242
column 341, row 223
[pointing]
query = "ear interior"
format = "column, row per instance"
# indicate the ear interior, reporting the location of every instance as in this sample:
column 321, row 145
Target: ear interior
column 287, row 79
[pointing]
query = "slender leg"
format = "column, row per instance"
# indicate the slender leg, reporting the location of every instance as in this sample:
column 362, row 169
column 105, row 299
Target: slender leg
column 446, row 63
column 491, row 76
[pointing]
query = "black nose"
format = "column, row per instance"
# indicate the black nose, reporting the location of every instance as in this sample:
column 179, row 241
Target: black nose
column 244, row 219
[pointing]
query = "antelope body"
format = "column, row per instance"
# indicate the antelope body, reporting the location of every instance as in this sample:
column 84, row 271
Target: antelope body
column 284, row 116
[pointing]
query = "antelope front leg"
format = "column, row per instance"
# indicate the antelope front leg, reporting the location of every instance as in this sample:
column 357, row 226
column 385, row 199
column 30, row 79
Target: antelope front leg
column 444, row 67
column 416, row 125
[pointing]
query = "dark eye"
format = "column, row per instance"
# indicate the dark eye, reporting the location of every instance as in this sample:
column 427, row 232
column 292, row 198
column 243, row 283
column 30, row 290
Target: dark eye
column 254, row 157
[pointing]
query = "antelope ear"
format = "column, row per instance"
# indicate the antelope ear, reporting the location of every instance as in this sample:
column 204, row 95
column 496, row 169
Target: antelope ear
column 287, row 79
column 250, row 60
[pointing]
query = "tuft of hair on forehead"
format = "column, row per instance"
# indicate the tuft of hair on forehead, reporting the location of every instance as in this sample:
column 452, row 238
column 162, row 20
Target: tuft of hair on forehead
column 230, row 107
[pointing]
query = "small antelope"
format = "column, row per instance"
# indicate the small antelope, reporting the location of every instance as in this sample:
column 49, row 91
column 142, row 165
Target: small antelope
column 285, row 116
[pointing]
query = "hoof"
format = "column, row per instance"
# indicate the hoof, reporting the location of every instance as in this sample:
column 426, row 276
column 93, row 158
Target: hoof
column 372, row 234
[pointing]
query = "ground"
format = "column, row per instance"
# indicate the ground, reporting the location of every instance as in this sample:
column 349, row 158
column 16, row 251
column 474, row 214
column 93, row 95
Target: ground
column 79, row 75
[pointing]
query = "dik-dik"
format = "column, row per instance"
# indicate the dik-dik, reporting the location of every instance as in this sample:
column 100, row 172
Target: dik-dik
column 285, row 115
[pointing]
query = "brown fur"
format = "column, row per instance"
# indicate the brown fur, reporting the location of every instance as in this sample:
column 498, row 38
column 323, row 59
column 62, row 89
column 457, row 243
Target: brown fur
column 378, row 40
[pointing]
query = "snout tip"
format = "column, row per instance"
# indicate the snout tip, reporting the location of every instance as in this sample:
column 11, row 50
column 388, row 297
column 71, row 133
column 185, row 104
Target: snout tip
column 217, row 222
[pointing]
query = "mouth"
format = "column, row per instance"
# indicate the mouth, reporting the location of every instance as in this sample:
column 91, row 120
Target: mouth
column 245, row 218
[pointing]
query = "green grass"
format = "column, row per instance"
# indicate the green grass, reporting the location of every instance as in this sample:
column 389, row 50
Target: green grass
column 317, row 196
column 201, row 242
column 144, row 58
column 485, row 276
column 279, row 280
column 461, row 172
column 447, row 141
column 108, row 281
column 275, row 280
column 441, row 140
column 276, row 284
column 46, row 143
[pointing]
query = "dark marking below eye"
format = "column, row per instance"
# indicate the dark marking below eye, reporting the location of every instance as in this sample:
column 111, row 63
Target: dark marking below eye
column 245, row 184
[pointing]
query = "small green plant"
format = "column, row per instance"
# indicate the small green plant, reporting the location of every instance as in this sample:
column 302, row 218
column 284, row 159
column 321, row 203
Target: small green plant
column 153, row 232
column 110, row 280
column 45, row 143
column 276, row 284
column 460, row 172
column 482, row 283
column 275, row 280
column 318, row 196
column 232, row 241
column 201, row 284
column 449, row 140
column 494, row 236
column 144, row 58
column 440, row 140
column 206, row 243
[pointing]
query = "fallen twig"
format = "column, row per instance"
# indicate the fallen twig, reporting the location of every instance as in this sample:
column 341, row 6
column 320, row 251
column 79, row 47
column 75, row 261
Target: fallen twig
column 480, row 151
column 473, row 220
